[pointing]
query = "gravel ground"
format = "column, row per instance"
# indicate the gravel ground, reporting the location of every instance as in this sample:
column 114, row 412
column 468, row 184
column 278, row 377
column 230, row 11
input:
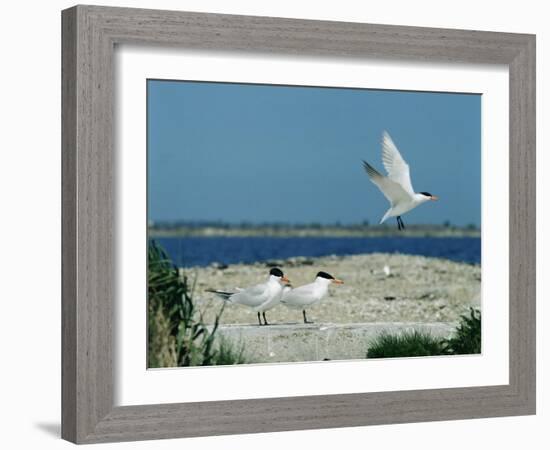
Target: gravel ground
column 417, row 289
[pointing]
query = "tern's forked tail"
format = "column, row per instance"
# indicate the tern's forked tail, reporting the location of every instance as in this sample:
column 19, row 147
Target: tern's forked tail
column 386, row 216
column 222, row 294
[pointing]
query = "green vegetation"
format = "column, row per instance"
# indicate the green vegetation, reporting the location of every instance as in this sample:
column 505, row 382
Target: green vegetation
column 405, row 345
column 177, row 334
column 466, row 340
column 228, row 354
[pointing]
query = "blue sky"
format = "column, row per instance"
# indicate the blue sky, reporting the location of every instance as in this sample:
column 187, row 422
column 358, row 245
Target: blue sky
column 263, row 153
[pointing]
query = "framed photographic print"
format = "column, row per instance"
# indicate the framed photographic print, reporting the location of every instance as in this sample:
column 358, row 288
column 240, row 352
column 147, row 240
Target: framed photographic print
column 306, row 210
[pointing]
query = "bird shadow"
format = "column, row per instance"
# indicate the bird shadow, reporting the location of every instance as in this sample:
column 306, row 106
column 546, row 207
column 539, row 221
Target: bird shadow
column 51, row 428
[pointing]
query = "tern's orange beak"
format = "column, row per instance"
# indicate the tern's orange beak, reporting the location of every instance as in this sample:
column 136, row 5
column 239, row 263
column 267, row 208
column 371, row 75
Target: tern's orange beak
column 285, row 279
column 337, row 281
column 434, row 198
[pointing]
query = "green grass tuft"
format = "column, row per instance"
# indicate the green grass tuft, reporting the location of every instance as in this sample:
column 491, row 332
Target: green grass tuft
column 228, row 354
column 466, row 340
column 406, row 344
column 467, row 337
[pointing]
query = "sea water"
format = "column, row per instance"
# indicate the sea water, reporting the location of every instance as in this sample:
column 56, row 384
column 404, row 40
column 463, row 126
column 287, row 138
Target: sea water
column 202, row 251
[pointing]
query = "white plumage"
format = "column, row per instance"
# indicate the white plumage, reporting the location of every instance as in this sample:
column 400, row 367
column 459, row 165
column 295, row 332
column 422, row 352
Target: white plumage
column 396, row 186
column 261, row 297
column 307, row 295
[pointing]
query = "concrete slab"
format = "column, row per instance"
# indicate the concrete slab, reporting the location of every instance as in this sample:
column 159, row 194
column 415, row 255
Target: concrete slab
column 294, row 342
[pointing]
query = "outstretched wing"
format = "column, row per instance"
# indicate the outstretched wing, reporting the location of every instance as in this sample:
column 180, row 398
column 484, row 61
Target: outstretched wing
column 395, row 165
column 392, row 190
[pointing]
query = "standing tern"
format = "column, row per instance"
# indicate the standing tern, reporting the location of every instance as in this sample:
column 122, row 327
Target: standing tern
column 396, row 186
column 260, row 297
column 307, row 295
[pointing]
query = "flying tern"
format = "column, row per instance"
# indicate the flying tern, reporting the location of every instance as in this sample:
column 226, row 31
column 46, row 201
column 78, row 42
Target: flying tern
column 260, row 297
column 307, row 295
column 396, row 186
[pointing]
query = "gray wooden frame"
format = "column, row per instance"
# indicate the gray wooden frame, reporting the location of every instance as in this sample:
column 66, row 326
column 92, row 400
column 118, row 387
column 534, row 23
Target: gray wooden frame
column 89, row 34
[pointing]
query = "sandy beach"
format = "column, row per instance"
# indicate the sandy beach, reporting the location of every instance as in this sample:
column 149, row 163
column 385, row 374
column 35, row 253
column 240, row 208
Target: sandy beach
column 417, row 289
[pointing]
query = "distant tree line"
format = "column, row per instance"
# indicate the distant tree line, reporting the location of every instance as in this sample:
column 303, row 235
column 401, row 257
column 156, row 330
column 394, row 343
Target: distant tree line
column 248, row 225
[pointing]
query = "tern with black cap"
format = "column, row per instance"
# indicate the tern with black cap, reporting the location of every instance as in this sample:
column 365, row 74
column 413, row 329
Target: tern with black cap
column 396, row 186
column 260, row 297
column 303, row 297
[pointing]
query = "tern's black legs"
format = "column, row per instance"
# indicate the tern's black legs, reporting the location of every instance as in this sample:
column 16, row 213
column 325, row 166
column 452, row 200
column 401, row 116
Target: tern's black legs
column 400, row 224
column 260, row 319
column 305, row 318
